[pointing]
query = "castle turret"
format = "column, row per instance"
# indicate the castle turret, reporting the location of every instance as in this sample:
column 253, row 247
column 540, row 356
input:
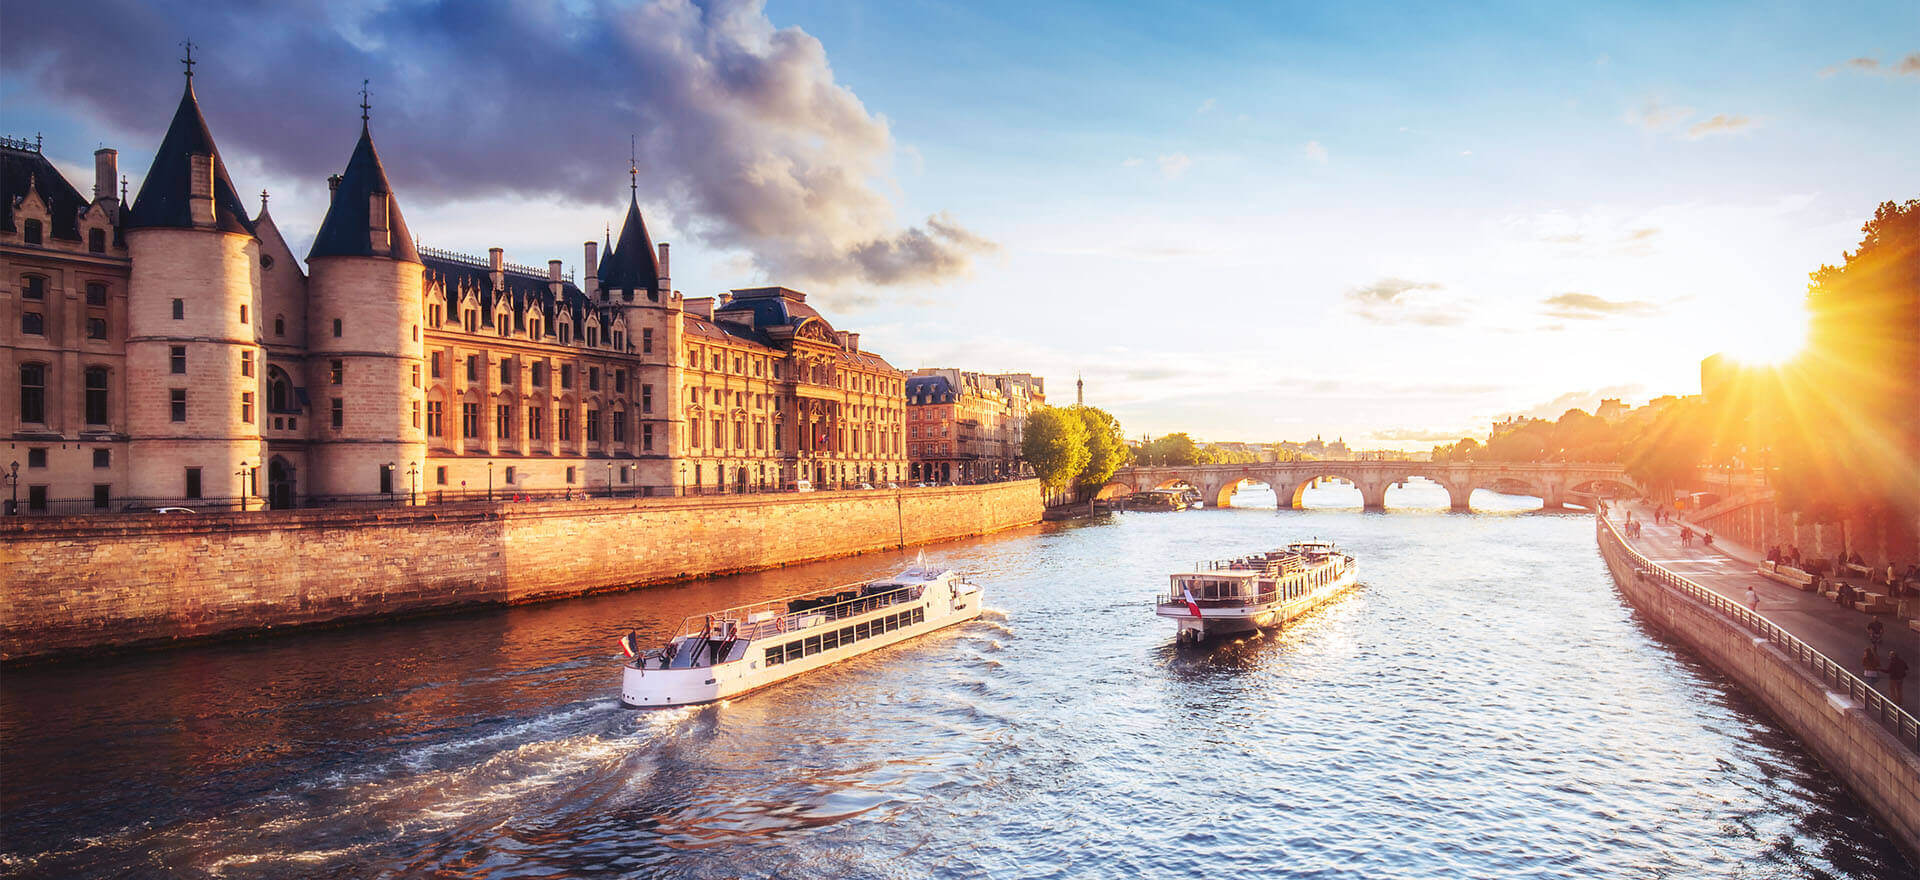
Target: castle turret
column 631, row 280
column 194, row 363
column 364, row 354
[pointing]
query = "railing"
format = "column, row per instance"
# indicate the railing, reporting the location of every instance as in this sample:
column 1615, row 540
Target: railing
column 1895, row 719
column 485, row 263
column 774, row 619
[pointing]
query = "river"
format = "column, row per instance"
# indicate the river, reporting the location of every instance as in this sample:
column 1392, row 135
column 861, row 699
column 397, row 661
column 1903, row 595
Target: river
column 1484, row 705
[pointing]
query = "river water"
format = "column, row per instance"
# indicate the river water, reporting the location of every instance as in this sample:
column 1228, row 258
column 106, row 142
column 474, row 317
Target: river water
column 1485, row 705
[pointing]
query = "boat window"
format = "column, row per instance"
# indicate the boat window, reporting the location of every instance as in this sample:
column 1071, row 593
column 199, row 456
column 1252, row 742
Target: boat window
column 919, row 615
column 846, row 635
column 813, row 645
column 775, row 656
column 830, row 640
column 793, row 651
column 892, row 622
column 860, row 630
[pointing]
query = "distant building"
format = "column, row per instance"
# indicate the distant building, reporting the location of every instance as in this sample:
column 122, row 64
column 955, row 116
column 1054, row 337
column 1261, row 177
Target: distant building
column 1611, row 410
column 964, row 426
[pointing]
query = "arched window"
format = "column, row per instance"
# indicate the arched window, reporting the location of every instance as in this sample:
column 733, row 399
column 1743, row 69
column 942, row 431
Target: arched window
column 280, row 397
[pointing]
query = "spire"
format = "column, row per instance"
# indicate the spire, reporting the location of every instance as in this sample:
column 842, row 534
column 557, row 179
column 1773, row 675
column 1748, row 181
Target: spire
column 633, row 168
column 188, row 158
column 364, row 106
column 630, row 265
column 353, row 224
column 188, row 61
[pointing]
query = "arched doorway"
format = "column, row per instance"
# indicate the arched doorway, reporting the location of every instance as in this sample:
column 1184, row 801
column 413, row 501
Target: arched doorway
column 280, row 488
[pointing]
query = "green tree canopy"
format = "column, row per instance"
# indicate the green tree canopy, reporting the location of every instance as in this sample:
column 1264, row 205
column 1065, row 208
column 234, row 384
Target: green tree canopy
column 1056, row 445
column 1106, row 445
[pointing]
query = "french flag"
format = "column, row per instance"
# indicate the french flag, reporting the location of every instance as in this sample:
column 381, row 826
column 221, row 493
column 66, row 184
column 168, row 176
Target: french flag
column 1191, row 605
column 630, row 643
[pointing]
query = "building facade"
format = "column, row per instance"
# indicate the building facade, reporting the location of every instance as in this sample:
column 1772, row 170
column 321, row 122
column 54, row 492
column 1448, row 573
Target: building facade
column 968, row 427
column 173, row 351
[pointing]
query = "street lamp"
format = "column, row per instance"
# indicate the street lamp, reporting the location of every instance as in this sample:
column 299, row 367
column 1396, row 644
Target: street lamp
column 609, row 479
column 13, row 479
column 389, row 480
column 489, row 480
column 242, row 474
column 683, row 478
column 413, row 470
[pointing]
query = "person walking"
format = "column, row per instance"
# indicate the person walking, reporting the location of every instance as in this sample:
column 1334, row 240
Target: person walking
column 1753, row 600
column 1896, row 676
column 1870, row 665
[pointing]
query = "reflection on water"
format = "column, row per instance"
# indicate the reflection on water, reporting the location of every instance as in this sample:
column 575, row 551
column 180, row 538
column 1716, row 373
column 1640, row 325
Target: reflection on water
column 1483, row 705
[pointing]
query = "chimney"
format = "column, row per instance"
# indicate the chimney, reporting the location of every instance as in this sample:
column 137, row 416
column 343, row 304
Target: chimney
column 853, row 342
column 592, row 281
column 553, row 270
column 333, row 185
column 106, row 169
column 664, row 274
column 496, row 264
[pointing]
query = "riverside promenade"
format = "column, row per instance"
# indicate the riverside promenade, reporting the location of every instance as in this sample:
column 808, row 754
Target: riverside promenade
column 1728, row 568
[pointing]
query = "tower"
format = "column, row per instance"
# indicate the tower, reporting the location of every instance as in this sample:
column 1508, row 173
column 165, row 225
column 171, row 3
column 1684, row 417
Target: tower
column 364, row 305
column 194, row 363
column 1079, row 390
column 636, row 284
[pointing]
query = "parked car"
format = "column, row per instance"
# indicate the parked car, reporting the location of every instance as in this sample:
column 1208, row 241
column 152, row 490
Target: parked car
column 803, row 486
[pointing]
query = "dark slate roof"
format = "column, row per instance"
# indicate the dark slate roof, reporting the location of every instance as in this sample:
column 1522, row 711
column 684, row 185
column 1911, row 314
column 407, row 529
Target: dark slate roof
column 345, row 232
column 520, row 289
column 163, row 194
column 769, row 307
column 24, row 168
column 728, row 332
column 630, row 264
column 929, row 389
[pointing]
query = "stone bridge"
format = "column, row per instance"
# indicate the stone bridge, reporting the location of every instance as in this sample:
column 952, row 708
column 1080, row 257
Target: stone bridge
column 1555, row 483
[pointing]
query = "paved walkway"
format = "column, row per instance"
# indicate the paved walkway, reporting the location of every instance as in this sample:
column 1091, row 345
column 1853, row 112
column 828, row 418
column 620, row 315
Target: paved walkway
column 1728, row 569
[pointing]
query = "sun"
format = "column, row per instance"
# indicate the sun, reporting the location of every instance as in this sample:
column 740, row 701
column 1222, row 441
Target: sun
column 1764, row 333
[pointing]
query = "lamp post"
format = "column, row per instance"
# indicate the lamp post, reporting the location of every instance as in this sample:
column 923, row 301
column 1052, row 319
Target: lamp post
column 13, row 479
column 489, row 480
column 683, row 477
column 389, row 481
column 609, row 479
column 242, row 474
column 413, row 470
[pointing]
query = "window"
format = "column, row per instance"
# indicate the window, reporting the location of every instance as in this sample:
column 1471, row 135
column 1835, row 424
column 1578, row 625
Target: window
column 243, row 313
column 619, row 381
column 433, row 315
column 336, row 372
column 440, row 475
column 563, row 424
column 193, row 482
column 386, row 479
column 566, row 375
column 593, row 378
column 436, row 419
column 102, row 494
column 339, row 414
column 719, row 434
column 740, row 435
column 619, row 341
column 646, row 437
column 473, row 368
column 760, row 435
column 646, row 340
column 646, row 398
column 416, row 375
column 593, row 426
column 470, row 420
column 536, row 418
column 435, row 364
column 32, row 324
column 503, row 421
column 693, row 432
column 246, row 407
column 619, row 422
column 177, row 402
column 503, row 323
column 336, row 328
column 96, row 328
column 539, row 374
column 31, row 232
column 566, row 333
column 177, row 360
column 279, row 325
column 96, row 381
column 97, row 241
column 96, row 293
column 569, row 475
column 416, row 413
column 506, row 371
column 102, row 458
column 593, row 336
column 470, row 320
column 246, row 362
column 179, row 309
column 37, row 458
column 36, row 288
column 511, row 472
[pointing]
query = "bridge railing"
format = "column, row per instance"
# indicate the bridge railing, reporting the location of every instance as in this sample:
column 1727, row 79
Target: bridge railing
column 1895, row 719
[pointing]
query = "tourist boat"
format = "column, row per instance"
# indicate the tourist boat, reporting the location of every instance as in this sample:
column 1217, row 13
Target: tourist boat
column 736, row 650
column 1255, row 592
column 1156, row 499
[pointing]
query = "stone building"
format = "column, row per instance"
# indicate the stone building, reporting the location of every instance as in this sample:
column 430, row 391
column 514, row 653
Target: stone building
column 967, row 427
column 173, row 351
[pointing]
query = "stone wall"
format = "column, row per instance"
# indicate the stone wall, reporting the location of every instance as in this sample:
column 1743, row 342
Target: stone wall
column 1879, row 769
column 72, row 583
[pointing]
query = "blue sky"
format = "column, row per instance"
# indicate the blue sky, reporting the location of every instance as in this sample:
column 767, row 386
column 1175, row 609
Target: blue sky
column 1254, row 221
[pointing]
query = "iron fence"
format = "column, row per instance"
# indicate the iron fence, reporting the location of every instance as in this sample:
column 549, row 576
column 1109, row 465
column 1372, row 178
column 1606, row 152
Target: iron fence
column 1889, row 714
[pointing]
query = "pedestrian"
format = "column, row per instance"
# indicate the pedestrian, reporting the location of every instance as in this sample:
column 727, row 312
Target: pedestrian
column 1896, row 676
column 1875, row 631
column 1707, row 537
column 1870, row 665
column 1753, row 599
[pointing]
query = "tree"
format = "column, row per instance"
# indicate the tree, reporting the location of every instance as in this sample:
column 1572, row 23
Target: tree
column 1669, row 453
column 1106, row 445
column 1172, row 449
column 1055, row 445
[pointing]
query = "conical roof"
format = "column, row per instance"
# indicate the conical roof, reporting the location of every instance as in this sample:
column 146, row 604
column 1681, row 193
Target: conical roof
column 630, row 264
column 346, row 230
column 164, row 194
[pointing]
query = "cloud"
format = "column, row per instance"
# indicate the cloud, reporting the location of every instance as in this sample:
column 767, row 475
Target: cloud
column 1205, row 106
column 1314, row 152
column 1720, row 123
column 1654, row 116
column 1174, row 165
column 1133, row 162
column 1587, row 307
column 746, row 137
column 1399, row 301
column 1586, row 400
column 1908, row 66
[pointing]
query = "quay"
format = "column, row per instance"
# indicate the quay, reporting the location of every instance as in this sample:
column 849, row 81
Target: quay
column 72, row 584
column 1797, row 656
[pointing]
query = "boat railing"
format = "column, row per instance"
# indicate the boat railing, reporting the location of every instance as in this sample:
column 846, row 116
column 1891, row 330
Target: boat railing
column 771, row 618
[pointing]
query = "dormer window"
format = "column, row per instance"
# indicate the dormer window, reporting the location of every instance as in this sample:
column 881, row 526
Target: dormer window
column 593, row 336
column 30, row 231
column 566, row 334
column 97, row 241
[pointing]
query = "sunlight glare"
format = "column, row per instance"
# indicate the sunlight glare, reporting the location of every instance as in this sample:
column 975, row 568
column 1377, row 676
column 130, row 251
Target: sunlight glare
column 1765, row 332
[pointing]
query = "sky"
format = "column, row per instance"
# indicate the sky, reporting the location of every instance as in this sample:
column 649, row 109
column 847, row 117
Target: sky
column 1248, row 221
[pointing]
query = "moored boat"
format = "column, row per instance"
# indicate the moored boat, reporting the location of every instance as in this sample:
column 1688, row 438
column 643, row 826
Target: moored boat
column 1255, row 592
column 736, row 650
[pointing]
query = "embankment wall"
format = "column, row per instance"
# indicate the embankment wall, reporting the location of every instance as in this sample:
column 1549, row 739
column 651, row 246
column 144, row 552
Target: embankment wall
column 1878, row 768
column 68, row 584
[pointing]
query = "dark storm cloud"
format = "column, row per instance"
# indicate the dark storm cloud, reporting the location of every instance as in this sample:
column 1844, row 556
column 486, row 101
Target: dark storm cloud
column 741, row 126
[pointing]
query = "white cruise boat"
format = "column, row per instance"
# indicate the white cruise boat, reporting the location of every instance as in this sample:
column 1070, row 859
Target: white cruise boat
column 1255, row 592
column 730, row 652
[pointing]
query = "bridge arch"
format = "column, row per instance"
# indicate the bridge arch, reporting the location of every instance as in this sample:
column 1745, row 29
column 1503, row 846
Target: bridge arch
column 1113, row 490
